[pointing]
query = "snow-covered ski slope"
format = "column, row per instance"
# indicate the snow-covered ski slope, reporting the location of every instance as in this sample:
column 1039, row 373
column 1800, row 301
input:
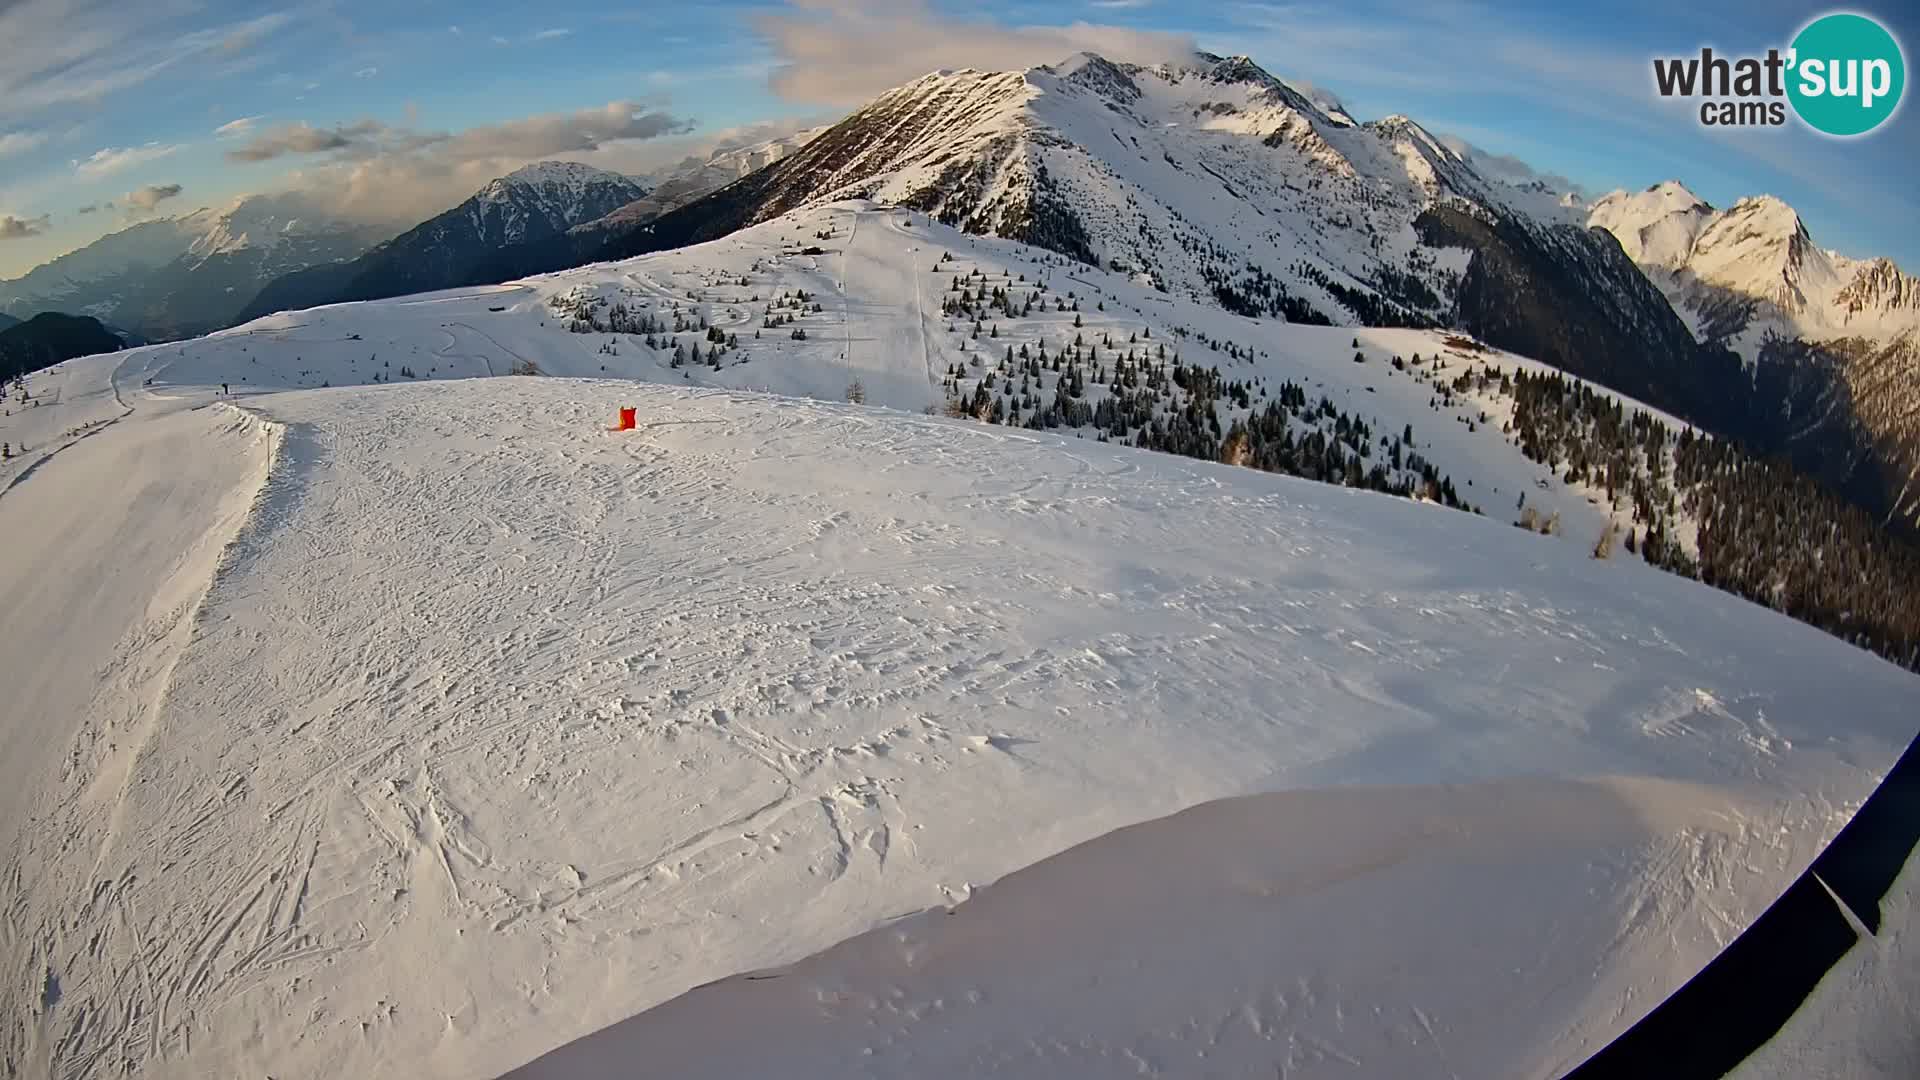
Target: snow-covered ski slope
column 427, row 729
column 496, row 727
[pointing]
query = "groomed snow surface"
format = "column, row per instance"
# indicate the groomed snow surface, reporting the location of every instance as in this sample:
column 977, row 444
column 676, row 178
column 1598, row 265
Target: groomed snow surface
column 434, row 729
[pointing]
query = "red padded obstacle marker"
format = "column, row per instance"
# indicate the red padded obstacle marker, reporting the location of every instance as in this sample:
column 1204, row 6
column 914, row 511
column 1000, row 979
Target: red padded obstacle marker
column 626, row 420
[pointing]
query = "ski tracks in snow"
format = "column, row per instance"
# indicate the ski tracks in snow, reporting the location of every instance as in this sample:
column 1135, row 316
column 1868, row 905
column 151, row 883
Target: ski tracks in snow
column 497, row 727
column 79, row 937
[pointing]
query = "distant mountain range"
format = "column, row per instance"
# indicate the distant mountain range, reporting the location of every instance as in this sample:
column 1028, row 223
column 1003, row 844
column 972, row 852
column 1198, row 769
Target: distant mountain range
column 476, row 242
column 182, row 276
column 545, row 217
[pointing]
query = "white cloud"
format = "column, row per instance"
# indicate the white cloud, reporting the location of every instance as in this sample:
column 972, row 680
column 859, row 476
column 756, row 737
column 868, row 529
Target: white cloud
column 366, row 73
column 550, row 35
column 372, row 170
column 236, row 129
column 19, row 228
column 146, row 198
column 304, row 138
column 897, row 42
column 110, row 160
column 1509, row 168
column 19, row 142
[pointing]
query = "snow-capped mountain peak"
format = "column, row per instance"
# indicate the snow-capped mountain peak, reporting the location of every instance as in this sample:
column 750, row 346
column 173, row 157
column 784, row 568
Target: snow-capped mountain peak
column 1758, row 247
column 1098, row 74
column 1665, row 197
column 546, row 197
column 559, row 186
column 1657, row 227
column 572, row 174
column 1242, row 69
column 1761, row 247
column 696, row 176
column 1840, row 335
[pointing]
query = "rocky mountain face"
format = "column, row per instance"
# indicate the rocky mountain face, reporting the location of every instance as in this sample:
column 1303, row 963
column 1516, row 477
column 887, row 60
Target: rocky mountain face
column 489, row 237
column 1831, row 344
column 182, row 276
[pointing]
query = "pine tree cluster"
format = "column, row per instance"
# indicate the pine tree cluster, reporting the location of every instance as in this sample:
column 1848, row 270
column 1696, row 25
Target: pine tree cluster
column 1137, row 394
column 1765, row 531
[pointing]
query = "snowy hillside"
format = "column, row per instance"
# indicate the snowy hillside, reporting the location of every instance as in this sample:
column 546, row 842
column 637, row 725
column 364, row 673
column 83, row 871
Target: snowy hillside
column 884, row 283
column 422, row 729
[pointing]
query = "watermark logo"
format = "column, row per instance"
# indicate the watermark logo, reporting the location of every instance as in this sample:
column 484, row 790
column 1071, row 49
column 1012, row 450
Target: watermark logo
column 1851, row 74
column 1843, row 75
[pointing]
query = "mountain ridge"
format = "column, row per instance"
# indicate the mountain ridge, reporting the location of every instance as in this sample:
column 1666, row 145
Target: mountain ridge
column 191, row 273
column 472, row 243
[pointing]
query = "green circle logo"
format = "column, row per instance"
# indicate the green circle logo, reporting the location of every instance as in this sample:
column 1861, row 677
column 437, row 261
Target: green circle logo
column 1846, row 74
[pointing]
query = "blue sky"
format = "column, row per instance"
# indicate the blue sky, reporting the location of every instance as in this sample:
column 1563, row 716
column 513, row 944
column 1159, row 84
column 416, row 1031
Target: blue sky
column 400, row 108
